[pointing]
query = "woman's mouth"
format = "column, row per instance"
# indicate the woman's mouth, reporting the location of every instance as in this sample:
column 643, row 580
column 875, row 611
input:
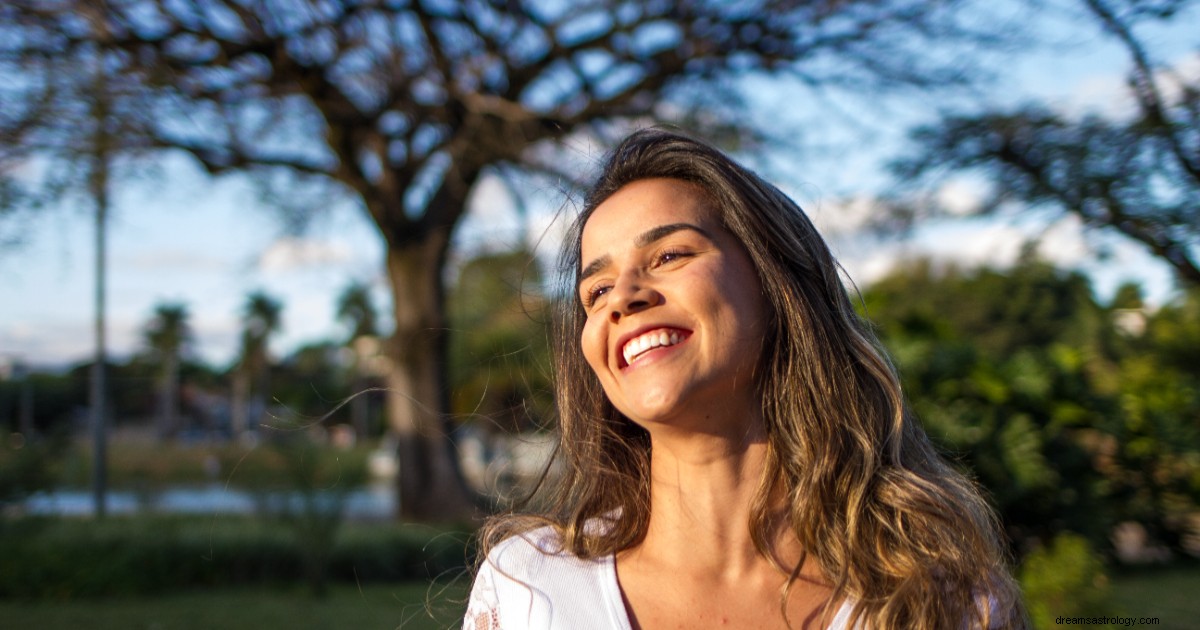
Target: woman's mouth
column 658, row 338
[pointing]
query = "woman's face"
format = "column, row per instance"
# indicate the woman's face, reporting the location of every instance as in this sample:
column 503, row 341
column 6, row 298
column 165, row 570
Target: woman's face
column 675, row 312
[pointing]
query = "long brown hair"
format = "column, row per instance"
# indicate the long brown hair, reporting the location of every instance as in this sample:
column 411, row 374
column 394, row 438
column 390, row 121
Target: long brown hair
column 889, row 523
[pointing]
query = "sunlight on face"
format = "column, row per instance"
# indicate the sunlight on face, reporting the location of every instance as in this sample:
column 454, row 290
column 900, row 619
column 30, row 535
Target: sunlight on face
column 675, row 312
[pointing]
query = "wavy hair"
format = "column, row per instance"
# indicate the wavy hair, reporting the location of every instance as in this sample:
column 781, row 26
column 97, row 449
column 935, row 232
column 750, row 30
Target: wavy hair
column 889, row 523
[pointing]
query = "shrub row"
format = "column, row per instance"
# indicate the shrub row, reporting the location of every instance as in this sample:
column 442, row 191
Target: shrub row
column 70, row 558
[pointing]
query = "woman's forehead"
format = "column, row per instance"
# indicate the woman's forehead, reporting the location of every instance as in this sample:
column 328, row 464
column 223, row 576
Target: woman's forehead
column 643, row 205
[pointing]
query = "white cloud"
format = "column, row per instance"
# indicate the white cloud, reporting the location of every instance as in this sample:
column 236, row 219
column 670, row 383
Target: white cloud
column 995, row 244
column 215, row 338
column 1107, row 95
column 490, row 200
column 960, row 196
column 843, row 217
column 291, row 253
column 1065, row 242
column 61, row 342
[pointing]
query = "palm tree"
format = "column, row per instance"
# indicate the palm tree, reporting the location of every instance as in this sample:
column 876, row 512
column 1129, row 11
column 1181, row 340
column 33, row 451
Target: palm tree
column 167, row 335
column 356, row 309
column 252, row 375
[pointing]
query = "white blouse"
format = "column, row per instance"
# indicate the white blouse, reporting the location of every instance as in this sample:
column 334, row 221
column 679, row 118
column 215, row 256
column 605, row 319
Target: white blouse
column 528, row 583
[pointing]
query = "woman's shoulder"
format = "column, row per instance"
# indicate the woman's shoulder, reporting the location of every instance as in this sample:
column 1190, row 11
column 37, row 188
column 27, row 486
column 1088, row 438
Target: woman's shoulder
column 536, row 555
column 523, row 545
column 529, row 580
column 545, row 546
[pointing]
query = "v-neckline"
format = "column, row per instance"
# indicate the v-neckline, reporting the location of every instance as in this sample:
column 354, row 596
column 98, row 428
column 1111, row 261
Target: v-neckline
column 618, row 607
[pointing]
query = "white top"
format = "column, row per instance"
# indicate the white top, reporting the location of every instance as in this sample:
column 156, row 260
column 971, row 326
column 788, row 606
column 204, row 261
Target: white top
column 528, row 583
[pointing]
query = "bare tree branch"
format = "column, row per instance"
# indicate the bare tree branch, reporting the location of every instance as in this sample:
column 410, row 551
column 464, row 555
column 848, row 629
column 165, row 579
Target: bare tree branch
column 406, row 103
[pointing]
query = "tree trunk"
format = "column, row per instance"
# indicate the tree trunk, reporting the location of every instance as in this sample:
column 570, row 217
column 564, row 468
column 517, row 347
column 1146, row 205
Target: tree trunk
column 98, row 183
column 360, row 405
column 168, row 400
column 430, row 485
column 239, row 421
column 172, row 392
column 260, row 399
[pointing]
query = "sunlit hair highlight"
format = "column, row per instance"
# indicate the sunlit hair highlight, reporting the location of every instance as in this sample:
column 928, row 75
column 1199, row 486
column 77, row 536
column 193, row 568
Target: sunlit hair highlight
column 888, row 522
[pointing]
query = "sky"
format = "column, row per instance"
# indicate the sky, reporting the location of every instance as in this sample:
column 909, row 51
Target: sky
column 184, row 238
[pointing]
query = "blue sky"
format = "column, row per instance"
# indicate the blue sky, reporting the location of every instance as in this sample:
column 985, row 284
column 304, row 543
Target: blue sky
column 207, row 243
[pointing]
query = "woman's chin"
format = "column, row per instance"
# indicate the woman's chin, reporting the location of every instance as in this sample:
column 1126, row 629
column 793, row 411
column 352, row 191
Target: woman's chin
column 654, row 417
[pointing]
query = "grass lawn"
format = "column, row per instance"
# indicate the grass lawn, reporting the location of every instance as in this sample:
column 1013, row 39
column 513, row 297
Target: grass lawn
column 1170, row 593
column 383, row 607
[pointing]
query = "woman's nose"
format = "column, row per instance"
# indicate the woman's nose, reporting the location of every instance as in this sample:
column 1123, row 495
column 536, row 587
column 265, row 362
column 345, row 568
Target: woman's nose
column 631, row 296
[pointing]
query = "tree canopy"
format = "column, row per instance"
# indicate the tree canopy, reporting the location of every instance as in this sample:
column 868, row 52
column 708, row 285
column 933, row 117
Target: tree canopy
column 1075, row 415
column 405, row 104
column 1136, row 173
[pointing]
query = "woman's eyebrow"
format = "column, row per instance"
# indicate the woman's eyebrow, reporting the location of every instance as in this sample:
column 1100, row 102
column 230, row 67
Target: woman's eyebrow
column 643, row 239
column 663, row 231
column 594, row 267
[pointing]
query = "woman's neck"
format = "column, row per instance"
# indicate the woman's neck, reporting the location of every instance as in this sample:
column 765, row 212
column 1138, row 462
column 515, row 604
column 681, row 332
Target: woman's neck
column 702, row 488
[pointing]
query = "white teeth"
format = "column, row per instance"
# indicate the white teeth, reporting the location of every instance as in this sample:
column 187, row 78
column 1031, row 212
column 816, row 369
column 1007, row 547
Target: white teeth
column 635, row 347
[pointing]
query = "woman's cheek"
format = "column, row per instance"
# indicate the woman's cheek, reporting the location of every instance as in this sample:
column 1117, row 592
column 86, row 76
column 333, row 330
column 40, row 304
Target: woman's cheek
column 592, row 344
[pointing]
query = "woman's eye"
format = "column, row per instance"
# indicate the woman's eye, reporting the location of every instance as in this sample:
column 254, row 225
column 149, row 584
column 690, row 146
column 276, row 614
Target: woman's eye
column 594, row 294
column 670, row 255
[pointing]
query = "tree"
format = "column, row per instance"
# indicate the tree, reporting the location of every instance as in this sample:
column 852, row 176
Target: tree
column 1152, row 457
column 357, row 309
column 252, row 374
column 1138, row 175
column 167, row 335
column 1072, row 419
column 998, row 368
column 407, row 104
column 80, row 119
column 500, row 354
column 306, row 381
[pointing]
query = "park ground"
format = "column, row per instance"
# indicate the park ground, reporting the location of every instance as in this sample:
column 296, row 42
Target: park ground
column 1162, row 592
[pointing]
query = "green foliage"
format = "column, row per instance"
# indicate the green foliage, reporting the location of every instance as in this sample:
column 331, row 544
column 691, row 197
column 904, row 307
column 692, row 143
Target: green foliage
column 1064, row 579
column 137, row 463
column 59, row 400
column 311, row 383
column 990, row 362
column 68, row 558
column 26, row 466
column 403, row 606
column 1072, row 417
column 169, row 330
column 499, row 354
column 55, row 398
column 314, row 508
column 356, row 309
column 1153, row 449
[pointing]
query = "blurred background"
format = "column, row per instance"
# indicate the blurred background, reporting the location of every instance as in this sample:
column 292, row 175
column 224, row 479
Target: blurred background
column 275, row 276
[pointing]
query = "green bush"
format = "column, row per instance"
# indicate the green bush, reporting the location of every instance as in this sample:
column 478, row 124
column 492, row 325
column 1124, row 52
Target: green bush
column 67, row 558
column 26, row 466
column 156, row 466
column 1064, row 579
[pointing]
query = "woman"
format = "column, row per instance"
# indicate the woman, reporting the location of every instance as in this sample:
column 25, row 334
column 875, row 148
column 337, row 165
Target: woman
column 735, row 448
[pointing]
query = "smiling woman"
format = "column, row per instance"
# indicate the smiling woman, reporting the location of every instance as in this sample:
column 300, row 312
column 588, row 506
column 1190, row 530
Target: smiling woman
column 664, row 267
column 735, row 447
